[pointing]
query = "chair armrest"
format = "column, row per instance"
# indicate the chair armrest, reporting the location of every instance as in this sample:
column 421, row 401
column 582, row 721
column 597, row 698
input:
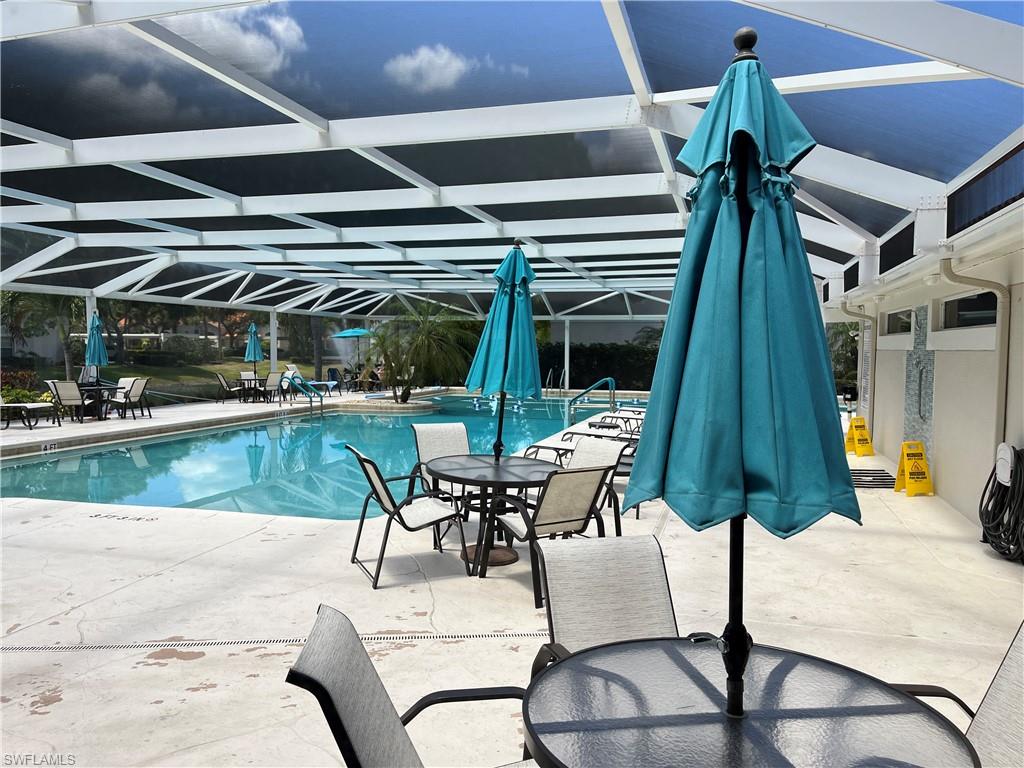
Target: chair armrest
column 520, row 506
column 462, row 694
column 429, row 495
column 935, row 691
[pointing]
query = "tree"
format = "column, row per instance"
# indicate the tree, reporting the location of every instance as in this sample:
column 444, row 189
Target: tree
column 34, row 314
column 842, row 347
column 648, row 337
column 316, row 328
column 423, row 346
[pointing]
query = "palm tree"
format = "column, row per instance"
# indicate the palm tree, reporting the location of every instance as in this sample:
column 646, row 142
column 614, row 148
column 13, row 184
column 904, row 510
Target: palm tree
column 425, row 345
column 842, row 346
column 33, row 314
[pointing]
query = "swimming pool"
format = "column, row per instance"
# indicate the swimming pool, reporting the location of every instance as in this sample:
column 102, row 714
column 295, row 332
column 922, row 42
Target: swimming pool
column 294, row 466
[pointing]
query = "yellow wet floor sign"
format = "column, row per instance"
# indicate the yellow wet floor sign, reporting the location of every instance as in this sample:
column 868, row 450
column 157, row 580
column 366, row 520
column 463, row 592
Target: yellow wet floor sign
column 858, row 438
column 913, row 474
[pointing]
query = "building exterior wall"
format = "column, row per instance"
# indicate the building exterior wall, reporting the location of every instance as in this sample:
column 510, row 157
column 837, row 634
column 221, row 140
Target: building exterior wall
column 1015, row 379
column 890, row 383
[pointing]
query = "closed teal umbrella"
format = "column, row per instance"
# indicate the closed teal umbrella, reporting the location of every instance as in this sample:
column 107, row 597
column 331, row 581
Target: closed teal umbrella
column 253, row 350
column 95, row 350
column 742, row 418
column 506, row 357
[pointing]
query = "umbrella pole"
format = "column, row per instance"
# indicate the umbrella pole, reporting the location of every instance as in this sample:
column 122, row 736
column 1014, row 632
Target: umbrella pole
column 736, row 640
column 498, row 445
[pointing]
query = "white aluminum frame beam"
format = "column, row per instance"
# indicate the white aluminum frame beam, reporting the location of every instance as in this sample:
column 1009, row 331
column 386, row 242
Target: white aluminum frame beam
column 28, row 18
column 986, row 45
column 113, row 285
column 37, row 260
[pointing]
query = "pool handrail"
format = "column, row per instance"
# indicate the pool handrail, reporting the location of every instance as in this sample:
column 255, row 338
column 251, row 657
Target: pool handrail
column 612, row 405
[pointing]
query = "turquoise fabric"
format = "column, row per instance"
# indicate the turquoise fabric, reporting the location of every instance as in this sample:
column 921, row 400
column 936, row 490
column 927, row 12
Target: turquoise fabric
column 742, row 416
column 514, row 276
column 253, row 349
column 95, row 349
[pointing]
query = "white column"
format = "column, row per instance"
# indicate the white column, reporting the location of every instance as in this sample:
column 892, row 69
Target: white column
column 565, row 363
column 273, row 340
column 90, row 310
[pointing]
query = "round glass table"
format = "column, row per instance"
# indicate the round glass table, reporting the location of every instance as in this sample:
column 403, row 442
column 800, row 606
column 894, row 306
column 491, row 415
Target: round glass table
column 491, row 477
column 662, row 702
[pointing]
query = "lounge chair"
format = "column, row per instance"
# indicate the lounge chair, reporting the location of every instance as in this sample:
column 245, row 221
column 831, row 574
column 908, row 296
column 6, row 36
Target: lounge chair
column 565, row 507
column 603, row 591
column 334, row 666
column 71, row 399
column 226, row 389
column 89, row 374
column 414, row 513
column 997, row 729
column 293, row 372
column 131, row 398
column 27, row 412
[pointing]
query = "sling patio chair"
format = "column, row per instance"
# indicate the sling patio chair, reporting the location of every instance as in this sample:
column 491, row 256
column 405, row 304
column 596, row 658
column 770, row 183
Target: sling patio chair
column 71, row 399
column 434, row 441
column 565, row 506
column 413, row 513
column 271, row 388
column 335, row 667
column 227, row 389
column 131, row 398
column 603, row 591
column 997, row 729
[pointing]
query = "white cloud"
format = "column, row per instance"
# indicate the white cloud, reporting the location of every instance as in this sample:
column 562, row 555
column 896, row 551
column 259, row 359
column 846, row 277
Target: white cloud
column 429, row 68
column 259, row 41
column 439, row 68
column 149, row 99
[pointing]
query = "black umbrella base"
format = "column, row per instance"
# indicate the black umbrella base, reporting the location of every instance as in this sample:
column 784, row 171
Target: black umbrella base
column 498, row 556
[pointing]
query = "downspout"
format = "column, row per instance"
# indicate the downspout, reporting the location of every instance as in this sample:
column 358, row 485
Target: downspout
column 1002, row 335
column 845, row 309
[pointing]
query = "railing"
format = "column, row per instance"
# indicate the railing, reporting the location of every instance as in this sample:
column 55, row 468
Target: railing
column 574, row 404
column 303, row 388
column 549, row 383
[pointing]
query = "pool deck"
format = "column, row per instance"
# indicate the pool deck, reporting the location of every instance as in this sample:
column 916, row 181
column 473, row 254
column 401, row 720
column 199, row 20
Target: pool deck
column 47, row 437
column 131, row 594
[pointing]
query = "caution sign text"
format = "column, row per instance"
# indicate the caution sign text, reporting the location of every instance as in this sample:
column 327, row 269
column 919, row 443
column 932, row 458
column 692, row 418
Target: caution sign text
column 913, row 474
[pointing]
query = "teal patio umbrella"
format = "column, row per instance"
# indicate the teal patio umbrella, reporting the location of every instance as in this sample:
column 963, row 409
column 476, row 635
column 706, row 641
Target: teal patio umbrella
column 253, row 349
column 353, row 333
column 254, row 458
column 95, row 350
column 742, row 417
column 506, row 357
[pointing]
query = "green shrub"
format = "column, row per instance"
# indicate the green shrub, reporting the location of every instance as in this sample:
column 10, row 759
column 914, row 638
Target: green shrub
column 631, row 365
column 15, row 395
column 19, row 379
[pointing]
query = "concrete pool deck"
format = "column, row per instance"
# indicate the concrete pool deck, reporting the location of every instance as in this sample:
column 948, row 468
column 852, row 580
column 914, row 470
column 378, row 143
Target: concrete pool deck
column 107, row 611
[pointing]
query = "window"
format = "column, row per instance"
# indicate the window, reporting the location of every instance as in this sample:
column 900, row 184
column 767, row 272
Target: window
column 969, row 311
column 899, row 322
column 994, row 188
column 897, row 249
column 851, row 277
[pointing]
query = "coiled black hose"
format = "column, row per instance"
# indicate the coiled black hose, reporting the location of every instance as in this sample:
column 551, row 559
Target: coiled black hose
column 1001, row 511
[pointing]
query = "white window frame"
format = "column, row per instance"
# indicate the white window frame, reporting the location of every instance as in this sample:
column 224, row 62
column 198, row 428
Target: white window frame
column 969, row 338
column 903, row 340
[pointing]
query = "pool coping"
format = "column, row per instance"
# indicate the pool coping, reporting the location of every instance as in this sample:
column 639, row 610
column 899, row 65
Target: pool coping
column 127, row 432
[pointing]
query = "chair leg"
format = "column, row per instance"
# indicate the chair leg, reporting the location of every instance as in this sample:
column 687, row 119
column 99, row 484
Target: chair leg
column 359, row 530
column 538, row 599
column 380, row 557
column 616, row 513
column 462, row 542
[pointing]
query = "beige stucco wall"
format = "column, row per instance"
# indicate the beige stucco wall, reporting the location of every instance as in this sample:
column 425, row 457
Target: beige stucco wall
column 887, row 420
column 964, row 424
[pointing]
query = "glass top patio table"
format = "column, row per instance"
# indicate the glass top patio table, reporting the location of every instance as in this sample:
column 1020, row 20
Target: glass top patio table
column 662, row 702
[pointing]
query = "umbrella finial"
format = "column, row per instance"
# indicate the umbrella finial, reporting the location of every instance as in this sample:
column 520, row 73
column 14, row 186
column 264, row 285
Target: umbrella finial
column 517, row 243
column 745, row 39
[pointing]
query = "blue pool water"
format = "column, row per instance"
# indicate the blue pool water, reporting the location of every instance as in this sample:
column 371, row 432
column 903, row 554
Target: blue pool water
column 293, row 466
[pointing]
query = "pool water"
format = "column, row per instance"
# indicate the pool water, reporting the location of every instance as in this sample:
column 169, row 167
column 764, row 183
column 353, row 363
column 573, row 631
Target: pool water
column 293, row 466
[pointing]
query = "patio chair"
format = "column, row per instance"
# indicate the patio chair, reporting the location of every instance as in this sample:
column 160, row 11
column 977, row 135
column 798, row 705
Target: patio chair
column 27, row 412
column 595, row 452
column 271, row 387
column 89, row 374
column 603, row 591
column 997, row 728
column 434, row 441
column 565, row 507
column 334, row 666
column 132, row 398
column 71, row 399
column 52, row 389
column 226, row 389
column 414, row 513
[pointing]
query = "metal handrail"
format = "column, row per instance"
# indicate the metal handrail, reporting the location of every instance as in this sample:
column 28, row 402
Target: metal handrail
column 612, row 405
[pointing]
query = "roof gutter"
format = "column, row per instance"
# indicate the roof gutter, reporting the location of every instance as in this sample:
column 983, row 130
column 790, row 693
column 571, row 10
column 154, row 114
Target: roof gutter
column 845, row 309
column 1002, row 337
